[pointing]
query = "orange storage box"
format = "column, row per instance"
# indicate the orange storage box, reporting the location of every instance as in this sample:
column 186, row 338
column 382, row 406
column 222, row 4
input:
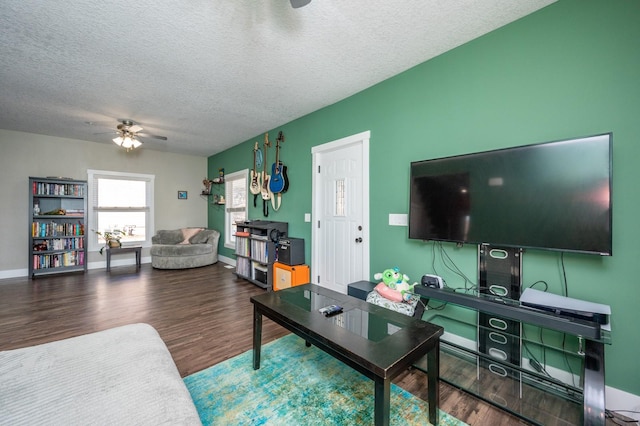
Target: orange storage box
column 285, row 276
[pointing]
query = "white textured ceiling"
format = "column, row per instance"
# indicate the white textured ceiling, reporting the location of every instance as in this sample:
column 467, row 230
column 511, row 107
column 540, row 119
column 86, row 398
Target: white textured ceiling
column 210, row 74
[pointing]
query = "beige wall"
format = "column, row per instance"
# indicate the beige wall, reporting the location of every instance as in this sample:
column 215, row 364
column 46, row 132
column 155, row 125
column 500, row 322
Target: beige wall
column 25, row 154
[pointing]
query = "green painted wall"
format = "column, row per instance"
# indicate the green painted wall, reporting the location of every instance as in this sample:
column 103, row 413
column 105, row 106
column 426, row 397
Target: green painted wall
column 571, row 69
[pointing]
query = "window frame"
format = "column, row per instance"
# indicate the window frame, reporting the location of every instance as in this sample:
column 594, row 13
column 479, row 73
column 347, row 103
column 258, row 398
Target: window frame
column 92, row 215
column 229, row 235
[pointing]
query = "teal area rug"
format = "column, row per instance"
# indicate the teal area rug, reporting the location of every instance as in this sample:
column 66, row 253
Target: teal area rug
column 296, row 385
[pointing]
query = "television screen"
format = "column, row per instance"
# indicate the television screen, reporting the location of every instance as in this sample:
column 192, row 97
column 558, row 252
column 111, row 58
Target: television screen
column 554, row 195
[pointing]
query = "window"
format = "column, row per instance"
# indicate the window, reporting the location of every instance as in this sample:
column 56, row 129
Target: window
column 235, row 192
column 120, row 202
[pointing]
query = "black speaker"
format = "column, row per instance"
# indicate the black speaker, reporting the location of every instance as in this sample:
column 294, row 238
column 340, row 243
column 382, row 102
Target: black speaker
column 291, row 251
column 499, row 271
column 498, row 337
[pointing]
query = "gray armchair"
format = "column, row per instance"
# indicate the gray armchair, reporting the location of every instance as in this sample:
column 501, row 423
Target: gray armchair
column 184, row 248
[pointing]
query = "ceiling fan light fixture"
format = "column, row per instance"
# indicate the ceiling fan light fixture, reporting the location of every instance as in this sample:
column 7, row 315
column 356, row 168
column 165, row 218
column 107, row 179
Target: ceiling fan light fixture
column 299, row 3
column 128, row 136
column 127, row 142
column 131, row 142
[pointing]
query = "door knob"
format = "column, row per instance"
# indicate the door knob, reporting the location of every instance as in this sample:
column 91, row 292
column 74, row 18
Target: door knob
column 359, row 240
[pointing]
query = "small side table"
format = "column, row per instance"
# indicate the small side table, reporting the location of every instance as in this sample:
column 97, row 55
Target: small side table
column 119, row 250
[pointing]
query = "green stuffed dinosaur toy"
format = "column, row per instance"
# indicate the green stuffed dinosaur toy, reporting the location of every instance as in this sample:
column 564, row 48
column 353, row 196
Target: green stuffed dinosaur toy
column 394, row 286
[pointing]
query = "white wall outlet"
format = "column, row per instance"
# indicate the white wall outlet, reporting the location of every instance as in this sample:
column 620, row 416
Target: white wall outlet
column 398, row 219
column 307, row 217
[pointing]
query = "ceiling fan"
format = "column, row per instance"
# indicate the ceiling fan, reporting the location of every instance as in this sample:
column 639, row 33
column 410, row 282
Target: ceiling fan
column 129, row 133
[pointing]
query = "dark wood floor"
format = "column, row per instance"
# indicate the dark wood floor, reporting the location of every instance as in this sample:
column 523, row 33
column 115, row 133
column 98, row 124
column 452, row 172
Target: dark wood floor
column 204, row 316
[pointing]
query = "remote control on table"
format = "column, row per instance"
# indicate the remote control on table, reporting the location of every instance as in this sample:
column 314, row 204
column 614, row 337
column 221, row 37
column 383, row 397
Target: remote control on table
column 330, row 310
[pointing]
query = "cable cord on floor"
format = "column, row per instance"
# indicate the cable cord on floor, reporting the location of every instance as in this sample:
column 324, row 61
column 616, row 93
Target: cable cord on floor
column 609, row 414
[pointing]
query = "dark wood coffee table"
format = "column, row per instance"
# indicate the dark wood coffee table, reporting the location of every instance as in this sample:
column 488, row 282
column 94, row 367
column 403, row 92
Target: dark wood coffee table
column 375, row 341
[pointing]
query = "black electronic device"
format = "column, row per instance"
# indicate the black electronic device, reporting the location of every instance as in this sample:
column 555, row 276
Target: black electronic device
column 554, row 196
column 566, row 306
column 433, row 281
column 275, row 235
column 291, row 251
column 582, row 315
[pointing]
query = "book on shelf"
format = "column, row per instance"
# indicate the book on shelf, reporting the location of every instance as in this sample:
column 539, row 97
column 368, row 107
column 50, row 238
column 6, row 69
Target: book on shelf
column 259, row 251
column 61, row 189
column 58, row 244
column 56, row 229
column 243, row 267
column 58, row 260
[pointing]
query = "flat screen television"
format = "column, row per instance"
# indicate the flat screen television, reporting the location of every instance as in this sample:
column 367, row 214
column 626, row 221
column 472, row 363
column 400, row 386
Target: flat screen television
column 553, row 196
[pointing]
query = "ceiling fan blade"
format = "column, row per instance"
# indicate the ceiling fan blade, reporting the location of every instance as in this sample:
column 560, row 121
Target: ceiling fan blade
column 107, row 133
column 100, row 123
column 135, row 128
column 126, row 121
column 146, row 135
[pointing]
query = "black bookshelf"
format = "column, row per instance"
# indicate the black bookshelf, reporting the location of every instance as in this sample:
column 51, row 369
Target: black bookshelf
column 57, row 226
column 256, row 250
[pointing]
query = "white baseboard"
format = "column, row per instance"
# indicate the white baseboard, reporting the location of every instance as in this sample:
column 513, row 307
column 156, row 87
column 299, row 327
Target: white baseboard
column 19, row 273
column 617, row 399
column 14, row 273
column 101, row 264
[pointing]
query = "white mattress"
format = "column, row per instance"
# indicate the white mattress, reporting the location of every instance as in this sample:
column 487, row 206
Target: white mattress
column 121, row 376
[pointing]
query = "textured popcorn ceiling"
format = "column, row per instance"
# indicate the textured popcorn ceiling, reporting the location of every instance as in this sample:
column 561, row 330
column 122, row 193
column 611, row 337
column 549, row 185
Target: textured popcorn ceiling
column 209, row 74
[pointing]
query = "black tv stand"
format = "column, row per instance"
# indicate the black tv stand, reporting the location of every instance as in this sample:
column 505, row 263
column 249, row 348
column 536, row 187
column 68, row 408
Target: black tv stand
column 591, row 333
column 515, row 310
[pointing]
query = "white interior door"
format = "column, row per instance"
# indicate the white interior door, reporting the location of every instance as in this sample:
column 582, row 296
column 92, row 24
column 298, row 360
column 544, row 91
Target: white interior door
column 340, row 234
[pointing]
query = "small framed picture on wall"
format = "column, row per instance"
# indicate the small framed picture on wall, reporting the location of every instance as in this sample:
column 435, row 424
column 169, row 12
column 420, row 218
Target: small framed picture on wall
column 182, row 195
